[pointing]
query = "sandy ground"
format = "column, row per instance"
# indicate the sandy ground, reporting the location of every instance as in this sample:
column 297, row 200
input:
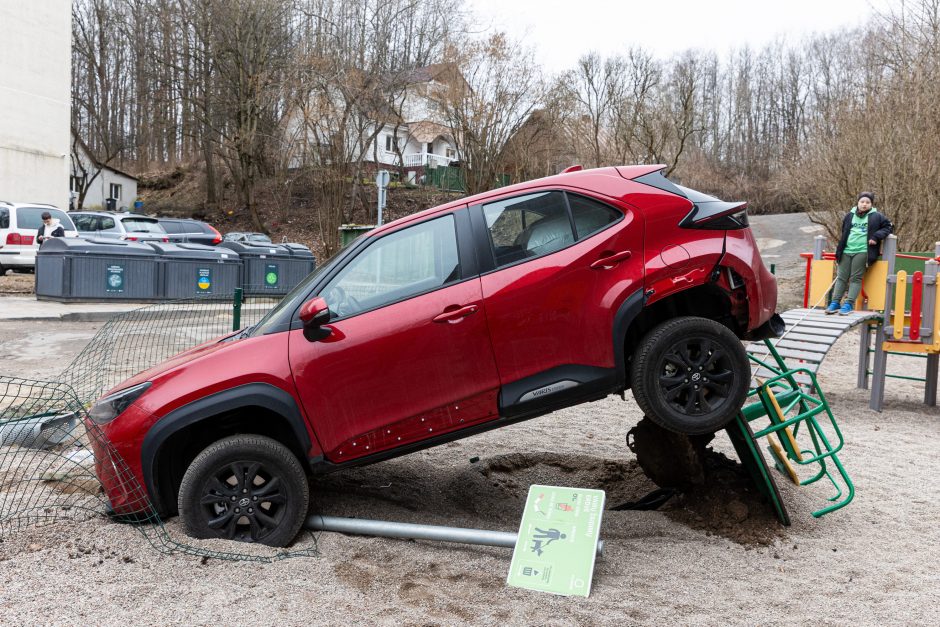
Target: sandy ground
column 872, row 562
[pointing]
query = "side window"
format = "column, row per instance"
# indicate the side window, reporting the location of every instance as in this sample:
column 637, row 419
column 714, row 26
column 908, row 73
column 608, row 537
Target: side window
column 85, row 223
column 171, row 227
column 106, row 223
column 406, row 263
column 528, row 226
column 4, row 218
column 590, row 216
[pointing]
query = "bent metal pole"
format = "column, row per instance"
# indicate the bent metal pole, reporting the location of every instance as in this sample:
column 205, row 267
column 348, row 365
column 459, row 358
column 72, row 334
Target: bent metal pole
column 388, row 529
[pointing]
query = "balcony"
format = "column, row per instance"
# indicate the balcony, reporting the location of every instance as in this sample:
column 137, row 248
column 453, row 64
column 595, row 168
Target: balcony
column 426, row 159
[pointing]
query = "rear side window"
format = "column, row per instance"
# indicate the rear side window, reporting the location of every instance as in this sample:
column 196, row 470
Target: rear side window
column 106, row 223
column 142, row 225
column 528, row 226
column 172, row 227
column 590, row 216
column 31, row 218
column 4, row 218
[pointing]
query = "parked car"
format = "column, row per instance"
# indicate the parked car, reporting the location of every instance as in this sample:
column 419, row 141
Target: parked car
column 188, row 230
column 19, row 224
column 124, row 226
column 463, row 318
column 237, row 236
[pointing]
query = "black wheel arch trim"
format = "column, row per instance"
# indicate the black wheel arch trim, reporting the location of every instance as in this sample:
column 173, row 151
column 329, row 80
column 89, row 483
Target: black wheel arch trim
column 251, row 394
column 628, row 311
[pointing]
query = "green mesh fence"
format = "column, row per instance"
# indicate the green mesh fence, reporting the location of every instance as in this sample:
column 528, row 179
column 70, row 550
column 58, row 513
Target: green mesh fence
column 50, row 450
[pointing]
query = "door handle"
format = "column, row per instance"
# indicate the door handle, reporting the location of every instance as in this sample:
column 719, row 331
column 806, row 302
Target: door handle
column 610, row 260
column 454, row 315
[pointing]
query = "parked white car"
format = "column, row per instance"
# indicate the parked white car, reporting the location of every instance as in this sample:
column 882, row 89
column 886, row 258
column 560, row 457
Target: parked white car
column 19, row 224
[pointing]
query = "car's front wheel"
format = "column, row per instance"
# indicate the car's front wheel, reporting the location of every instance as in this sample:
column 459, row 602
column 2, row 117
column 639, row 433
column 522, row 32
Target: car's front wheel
column 690, row 375
column 244, row 487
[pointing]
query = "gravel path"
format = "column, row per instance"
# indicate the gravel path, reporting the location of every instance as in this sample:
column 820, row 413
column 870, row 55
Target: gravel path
column 872, row 562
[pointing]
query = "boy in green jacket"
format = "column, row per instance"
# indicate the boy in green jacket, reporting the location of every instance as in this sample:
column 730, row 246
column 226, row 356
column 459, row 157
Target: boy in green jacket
column 863, row 229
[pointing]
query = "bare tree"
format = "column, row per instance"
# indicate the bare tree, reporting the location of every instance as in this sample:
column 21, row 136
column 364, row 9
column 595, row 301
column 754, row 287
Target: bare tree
column 497, row 89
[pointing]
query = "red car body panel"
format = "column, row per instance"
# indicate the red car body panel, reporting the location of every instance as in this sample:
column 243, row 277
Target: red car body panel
column 393, row 377
column 557, row 309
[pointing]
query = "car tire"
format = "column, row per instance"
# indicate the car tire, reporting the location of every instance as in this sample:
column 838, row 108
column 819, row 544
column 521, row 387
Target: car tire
column 690, row 375
column 248, row 488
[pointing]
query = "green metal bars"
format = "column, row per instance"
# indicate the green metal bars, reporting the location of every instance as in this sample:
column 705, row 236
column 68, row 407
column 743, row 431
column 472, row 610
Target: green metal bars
column 800, row 430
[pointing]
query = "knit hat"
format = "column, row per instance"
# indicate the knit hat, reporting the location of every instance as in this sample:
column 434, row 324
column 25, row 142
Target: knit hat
column 869, row 195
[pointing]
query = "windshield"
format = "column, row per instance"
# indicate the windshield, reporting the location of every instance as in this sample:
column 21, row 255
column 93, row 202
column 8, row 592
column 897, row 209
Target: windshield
column 296, row 296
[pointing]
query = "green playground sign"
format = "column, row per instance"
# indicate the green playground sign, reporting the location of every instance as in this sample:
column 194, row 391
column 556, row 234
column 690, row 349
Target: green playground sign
column 557, row 540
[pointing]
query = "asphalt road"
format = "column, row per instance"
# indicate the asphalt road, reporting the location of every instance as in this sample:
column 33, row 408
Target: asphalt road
column 781, row 238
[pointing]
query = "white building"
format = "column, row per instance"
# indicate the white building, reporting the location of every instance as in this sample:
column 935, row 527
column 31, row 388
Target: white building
column 416, row 136
column 35, row 101
column 100, row 182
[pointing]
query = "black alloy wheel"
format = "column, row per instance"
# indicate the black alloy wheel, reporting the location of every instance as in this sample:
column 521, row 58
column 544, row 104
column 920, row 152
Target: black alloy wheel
column 690, row 375
column 248, row 488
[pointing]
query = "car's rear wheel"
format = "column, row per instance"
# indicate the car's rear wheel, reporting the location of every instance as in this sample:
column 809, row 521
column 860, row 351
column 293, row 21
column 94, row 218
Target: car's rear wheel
column 690, row 375
column 244, row 487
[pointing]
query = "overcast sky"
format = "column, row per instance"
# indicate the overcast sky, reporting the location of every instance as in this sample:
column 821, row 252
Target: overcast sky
column 561, row 31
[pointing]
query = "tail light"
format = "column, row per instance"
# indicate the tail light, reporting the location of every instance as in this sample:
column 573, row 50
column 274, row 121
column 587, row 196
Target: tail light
column 131, row 238
column 165, row 240
column 27, row 239
column 14, row 239
column 218, row 236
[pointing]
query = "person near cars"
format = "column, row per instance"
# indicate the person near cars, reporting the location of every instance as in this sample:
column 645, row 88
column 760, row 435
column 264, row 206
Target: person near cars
column 863, row 229
column 50, row 228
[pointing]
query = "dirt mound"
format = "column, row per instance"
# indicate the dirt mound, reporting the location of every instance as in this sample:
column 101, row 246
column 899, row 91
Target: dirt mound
column 714, row 493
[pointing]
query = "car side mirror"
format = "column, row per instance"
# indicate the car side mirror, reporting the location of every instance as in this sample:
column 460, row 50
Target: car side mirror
column 314, row 314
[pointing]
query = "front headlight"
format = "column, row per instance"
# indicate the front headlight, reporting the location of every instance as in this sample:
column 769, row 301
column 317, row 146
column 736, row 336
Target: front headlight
column 110, row 407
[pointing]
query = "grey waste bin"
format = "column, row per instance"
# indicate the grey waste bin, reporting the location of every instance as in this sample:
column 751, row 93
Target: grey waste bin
column 269, row 269
column 188, row 270
column 302, row 263
column 70, row 268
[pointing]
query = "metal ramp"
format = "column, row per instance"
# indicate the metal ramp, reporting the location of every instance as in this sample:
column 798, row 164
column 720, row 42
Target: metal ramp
column 808, row 337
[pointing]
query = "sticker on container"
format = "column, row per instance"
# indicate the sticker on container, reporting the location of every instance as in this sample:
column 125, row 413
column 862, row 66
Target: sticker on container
column 204, row 280
column 114, row 279
column 271, row 275
column 557, row 541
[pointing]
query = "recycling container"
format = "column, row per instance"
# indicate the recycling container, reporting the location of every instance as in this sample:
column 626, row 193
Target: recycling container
column 191, row 270
column 302, row 263
column 76, row 269
column 270, row 269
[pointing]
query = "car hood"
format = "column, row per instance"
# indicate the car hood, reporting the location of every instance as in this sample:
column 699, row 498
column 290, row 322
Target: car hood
column 212, row 346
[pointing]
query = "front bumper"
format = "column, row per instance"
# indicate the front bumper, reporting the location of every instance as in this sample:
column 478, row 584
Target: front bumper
column 123, row 485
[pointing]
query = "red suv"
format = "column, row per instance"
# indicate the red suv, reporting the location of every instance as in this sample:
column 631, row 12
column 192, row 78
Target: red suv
column 462, row 318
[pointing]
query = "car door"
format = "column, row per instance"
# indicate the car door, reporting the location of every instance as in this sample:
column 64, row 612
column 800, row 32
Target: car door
column 557, row 265
column 409, row 357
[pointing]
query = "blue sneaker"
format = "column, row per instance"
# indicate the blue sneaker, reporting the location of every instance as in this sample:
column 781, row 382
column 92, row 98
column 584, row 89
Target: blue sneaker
column 832, row 308
column 846, row 308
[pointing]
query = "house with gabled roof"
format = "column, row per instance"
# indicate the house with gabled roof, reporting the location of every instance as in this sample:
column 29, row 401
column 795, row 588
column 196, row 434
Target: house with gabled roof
column 407, row 129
